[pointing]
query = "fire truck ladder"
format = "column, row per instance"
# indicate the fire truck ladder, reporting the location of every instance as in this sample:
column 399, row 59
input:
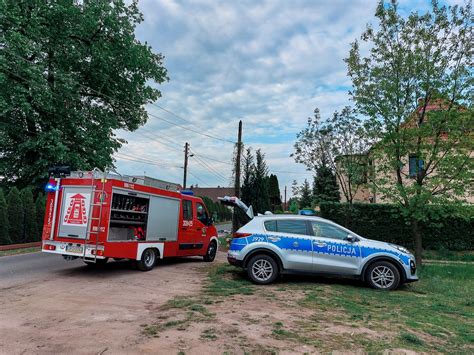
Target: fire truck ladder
column 93, row 206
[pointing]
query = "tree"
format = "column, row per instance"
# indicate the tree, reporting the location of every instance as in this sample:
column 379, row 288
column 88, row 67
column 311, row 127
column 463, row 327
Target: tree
column 4, row 237
column 293, row 205
column 246, row 191
column 261, row 202
column 40, row 205
column 325, row 188
column 338, row 144
column 30, row 228
column 72, row 74
column 15, row 215
column 302, row 193
column 274, row 193
column 415, row 87
column 305, row 195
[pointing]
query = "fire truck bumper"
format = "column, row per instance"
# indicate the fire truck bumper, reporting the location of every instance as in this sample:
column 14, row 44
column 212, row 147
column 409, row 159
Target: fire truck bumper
column 73, row 249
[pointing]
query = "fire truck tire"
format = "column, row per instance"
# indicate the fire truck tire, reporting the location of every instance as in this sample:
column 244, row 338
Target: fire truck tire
column 211, row 252
column 148, row 260
column 98, row 263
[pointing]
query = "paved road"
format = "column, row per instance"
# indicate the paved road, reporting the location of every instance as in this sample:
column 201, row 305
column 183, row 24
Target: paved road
column 16, row 270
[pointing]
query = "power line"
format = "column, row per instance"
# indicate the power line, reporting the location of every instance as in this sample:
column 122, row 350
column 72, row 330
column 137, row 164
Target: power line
column 212, row 170
column 194, row 176
column 127, row 104
column 146, row 161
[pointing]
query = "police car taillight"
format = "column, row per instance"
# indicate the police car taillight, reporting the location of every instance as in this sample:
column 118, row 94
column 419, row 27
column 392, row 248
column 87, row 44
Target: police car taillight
column 241, row 235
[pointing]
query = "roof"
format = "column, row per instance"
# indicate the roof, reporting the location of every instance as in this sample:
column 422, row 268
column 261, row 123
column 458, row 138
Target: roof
column 213, row 192
column 290, row 216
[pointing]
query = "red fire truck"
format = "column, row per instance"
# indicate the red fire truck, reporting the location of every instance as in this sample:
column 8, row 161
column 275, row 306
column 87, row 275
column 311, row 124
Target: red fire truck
column 96, row 216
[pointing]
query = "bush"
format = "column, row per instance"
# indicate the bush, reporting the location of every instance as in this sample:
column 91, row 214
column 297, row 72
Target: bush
column 447, row 227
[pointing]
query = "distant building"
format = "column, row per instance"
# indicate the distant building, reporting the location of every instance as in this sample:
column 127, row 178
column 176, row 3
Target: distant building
column 213, row 192
column 411, row 163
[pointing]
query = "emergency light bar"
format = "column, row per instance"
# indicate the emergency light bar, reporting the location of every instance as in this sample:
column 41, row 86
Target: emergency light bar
column 187, row 192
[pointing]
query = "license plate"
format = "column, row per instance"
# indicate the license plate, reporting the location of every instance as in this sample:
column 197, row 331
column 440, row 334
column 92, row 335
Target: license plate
column 74, row 249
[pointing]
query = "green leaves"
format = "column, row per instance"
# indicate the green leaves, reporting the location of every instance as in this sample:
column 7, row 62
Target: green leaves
column 415, row 86
column 340, row 144
column 70, row 74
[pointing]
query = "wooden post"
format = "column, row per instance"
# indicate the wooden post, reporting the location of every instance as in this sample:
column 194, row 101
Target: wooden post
column 186, row 152
column 235, row 224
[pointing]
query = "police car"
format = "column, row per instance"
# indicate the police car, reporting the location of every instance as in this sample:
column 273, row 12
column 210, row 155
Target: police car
column 271, row 245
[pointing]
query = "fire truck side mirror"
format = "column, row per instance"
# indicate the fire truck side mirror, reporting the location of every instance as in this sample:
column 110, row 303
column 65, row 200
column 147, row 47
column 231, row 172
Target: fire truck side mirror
column 210, row 221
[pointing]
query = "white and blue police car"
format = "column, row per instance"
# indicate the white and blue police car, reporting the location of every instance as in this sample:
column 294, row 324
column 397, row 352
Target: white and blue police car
column 271, row 245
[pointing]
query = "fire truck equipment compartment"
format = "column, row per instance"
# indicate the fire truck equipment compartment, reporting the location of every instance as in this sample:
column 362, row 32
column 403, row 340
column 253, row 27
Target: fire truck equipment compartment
column 75, row 211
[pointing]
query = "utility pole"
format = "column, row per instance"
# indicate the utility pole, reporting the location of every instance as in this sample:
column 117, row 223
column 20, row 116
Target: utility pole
column 285, row 206
column 235, row 223
column 186, row 152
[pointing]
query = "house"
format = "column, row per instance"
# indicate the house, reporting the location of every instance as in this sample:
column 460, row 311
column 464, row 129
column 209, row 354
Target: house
column 412, row 165
column 213, row 192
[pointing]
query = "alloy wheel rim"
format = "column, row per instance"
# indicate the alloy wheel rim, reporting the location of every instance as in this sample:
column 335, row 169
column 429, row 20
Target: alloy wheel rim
column 262, row 270
column 382, row 276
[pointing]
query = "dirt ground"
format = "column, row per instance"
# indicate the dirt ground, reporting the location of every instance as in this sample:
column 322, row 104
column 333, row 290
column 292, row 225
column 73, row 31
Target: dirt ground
column 169, row 310
column 87, row 311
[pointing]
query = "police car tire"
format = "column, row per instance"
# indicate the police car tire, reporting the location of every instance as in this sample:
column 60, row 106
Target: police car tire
column 211, row 254
column 142, row 264
column 265, row 259
column 382, row 265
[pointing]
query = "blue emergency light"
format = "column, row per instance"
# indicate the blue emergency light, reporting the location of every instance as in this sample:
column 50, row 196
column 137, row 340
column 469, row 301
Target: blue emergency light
column 51, row 187
column 187, row 192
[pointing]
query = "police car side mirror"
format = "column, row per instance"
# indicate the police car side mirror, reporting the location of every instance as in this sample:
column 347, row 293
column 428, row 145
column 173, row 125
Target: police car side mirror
column 350, row 238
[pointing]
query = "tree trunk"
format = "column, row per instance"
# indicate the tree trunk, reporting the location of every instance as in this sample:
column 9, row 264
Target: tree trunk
column 415, row 228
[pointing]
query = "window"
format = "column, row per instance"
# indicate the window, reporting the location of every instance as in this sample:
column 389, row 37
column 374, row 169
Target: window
column 324, row 230
column 415, row 166
column 271, row 226
column 187, row 210
column 292, row 226
column 201, row 213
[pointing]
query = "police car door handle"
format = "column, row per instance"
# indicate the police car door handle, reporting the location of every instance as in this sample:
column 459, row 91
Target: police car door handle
column 319, row 243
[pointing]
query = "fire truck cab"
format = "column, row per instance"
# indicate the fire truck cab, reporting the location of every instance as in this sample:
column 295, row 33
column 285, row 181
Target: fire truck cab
column 96, row 216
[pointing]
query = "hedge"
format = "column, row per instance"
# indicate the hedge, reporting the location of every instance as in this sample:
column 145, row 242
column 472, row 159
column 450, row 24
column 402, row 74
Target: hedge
column 446, row 227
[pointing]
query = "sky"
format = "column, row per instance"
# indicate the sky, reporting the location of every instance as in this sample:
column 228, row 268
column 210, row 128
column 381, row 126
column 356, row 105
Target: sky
column 267, row 63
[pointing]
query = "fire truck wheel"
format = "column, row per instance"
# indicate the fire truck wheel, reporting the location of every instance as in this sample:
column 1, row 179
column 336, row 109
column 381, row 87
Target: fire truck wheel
column 148, row 260
column 211, row 252
column 98, row 263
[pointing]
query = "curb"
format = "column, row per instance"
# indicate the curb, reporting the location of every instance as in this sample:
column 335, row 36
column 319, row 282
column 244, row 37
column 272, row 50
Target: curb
column 19, row 246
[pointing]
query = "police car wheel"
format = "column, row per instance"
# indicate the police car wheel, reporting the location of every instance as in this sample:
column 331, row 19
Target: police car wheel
column 383, row 275
column 148, row 260
column 211, row 252
column 262, row 269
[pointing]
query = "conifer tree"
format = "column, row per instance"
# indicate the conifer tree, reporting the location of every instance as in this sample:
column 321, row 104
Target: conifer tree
column 15, row 215
column 30, row 229
column 40, row 209
column 325, row 186
column 4, row 237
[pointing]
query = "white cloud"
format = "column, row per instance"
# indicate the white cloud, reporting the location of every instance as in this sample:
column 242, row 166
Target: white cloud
column 268, row 63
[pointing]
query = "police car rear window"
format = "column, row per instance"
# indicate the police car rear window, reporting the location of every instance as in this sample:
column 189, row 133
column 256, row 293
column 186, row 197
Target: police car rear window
column 271, row 226
column 286, row 226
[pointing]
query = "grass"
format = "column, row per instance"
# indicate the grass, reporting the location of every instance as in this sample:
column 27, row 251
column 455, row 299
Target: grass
column 449, row 255
column 19, row 251
column 435, row 314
